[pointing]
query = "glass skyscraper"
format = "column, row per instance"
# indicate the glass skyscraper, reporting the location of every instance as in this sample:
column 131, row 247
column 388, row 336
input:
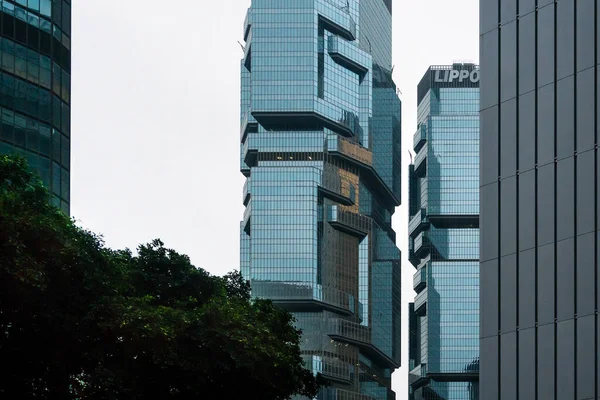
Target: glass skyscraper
column 444, row 237
column 35, row 89
column 320, row 149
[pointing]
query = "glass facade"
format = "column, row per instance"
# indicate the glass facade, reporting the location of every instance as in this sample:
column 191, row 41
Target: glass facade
column 444, row 237
column 35, row 89
column 320, row 149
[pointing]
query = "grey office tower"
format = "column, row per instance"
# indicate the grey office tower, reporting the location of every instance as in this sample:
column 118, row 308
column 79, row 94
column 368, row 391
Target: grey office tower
column 539, row 199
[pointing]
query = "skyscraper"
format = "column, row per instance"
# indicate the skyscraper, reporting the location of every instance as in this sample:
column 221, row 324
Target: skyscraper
column 320, row 148
column 35, row 89
column 539, row 192
column 444, row 236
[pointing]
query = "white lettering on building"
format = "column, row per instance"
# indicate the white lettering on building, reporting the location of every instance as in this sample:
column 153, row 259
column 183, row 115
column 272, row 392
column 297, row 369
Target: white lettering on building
column 449, row 76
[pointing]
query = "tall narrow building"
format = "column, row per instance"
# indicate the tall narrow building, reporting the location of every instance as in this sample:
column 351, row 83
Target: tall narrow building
column 539, row 192
column 320, row 149
column 35, row 89
column 444, row 237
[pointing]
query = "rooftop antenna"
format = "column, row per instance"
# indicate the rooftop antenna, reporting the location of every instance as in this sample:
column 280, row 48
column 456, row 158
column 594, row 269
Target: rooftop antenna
column 347, row 7
column 242, row 46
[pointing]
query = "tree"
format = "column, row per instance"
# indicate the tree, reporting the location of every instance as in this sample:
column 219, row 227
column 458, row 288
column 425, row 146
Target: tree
column 81, row 321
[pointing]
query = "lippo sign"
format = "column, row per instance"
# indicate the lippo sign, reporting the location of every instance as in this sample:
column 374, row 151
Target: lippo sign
column 453, row 75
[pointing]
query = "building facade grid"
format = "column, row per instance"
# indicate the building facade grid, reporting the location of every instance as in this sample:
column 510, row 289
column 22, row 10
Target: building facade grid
column 320, row 149
column 35, row 89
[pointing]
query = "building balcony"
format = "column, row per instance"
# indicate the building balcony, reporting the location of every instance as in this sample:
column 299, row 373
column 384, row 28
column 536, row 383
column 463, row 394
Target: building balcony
column 354, row 224
column 420, row 279
column 420, row 138
column 421, row 246
column 330, row 368
column 418, row 222
column 248, row 125
column 414, row 260
column 349, row 55
column 417, row 375
column 247, row 215
column 249, row 152
column 247, row 23
column 304, row 296
column 421, row 303
column 347, row 330
column 330, row 393
column 248, row 51
column 247, row 192
column 337, row 19
column 421, row 162
column 349, row 149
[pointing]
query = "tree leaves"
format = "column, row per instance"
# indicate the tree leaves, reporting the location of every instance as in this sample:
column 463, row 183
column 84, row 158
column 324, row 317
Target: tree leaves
column 81, row 321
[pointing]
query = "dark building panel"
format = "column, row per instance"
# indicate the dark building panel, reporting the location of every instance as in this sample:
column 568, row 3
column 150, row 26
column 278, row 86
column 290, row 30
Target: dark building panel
column 489, row 145
column 526, row 221
column 565, row 279
column 489, row 222
column 508, row 289
column 508, row 61
column 565, row 117
column 488, row 376
column 546, row 282
column 508, row 216
column 508, row 138
column 526, row 42
column 527, row 285
column 586, row 278
column 585, row 34
column 586, row 358
column 489, row 81
column 526, row 355
column 526, row 145
column 508, row 361
column 565, row 359
column 585, row 193
column 545, row 205
column 489, row 300
column 545, row 45
column 545, row 364
column 488, row 11
column 545, row 125
column 565, row 38
column 526, row 7
column 585, row 110
column 565, row 199
column 508, row 11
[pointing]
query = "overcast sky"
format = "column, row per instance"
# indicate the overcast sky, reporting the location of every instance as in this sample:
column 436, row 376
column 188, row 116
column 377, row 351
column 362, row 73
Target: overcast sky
column 155, row 114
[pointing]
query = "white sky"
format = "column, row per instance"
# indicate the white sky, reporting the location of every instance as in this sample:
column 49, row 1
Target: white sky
column 155, row 120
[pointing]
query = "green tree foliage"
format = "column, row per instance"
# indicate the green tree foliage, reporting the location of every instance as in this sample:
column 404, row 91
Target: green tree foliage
column 81, row 321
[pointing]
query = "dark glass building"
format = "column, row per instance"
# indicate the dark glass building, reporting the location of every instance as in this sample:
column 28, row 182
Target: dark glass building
column 444, row 237
column 35, row 89
column 320, row 148
column 539, row 193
